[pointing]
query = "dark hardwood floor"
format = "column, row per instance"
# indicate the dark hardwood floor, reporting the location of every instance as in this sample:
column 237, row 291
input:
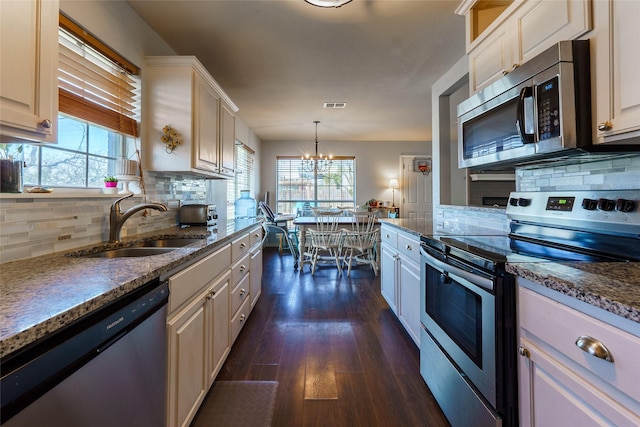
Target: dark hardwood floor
column 339, row 353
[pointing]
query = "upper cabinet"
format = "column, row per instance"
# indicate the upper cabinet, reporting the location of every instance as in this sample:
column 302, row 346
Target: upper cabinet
column 615, row 63
column 501, row 35
column 28, row 87
column 179, row 92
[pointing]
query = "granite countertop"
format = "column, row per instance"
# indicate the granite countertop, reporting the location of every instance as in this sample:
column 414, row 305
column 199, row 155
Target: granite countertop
column 613, row 287
column 40, row 295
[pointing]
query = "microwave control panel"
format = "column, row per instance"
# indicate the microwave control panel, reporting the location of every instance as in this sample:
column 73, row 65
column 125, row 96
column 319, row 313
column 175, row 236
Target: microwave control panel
column 548, row 99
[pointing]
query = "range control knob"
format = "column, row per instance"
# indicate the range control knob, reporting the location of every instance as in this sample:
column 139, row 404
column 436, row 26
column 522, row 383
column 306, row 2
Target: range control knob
column 606, row 204
column 513, row 201
column 524, row 202
column 624, row 205
column 589, row 204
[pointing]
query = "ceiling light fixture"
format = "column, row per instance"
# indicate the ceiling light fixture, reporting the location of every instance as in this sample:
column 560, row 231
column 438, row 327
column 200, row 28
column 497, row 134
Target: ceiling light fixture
column 328, row 3
column 317, row 163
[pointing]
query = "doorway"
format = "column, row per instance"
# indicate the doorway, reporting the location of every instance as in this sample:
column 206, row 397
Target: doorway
column 415, row 187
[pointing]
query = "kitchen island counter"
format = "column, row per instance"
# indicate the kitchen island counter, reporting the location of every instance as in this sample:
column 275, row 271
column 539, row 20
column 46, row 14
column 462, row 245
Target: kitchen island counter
column 43, row 294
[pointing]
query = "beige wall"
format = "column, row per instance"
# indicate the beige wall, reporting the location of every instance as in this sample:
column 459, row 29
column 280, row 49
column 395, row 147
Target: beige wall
column 376, row 163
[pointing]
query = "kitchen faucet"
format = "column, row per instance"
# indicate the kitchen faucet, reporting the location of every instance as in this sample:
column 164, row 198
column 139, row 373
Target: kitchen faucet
column 117, row 218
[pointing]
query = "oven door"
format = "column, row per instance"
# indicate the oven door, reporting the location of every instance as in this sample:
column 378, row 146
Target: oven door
column 458, row 311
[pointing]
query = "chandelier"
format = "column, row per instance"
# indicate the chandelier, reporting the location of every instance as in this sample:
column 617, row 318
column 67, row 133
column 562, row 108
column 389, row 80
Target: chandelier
column 317, row 163
column 328, row 3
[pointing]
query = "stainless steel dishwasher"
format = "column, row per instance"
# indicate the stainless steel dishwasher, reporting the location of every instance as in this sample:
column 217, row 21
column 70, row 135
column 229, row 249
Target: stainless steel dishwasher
column 106, row 369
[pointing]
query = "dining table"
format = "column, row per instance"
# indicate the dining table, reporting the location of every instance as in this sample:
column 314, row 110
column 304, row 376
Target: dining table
column 303, row 223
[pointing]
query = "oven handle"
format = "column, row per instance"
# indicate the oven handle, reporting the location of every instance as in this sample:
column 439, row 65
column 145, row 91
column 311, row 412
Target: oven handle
column 483, row 282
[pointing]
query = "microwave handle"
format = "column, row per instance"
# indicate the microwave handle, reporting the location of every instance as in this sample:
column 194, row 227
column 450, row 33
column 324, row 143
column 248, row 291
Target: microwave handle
column 527, row 138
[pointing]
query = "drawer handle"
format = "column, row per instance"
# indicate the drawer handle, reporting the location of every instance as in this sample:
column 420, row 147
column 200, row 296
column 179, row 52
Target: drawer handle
column 524, row 352
column 409, row 248
column 243, row 245
column 257, row 234
column 46, row 123
column 242, row 268
column 243, row 291
column 594, row 347
column 242, row 317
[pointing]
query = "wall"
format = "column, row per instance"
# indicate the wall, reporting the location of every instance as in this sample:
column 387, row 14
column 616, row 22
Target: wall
column 376, row 163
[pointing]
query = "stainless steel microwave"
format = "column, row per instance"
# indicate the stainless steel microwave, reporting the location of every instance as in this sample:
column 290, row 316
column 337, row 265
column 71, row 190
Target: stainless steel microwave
column 540, row 109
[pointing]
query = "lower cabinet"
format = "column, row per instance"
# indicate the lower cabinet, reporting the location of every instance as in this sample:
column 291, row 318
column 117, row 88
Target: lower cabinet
column 561, row 383
column 256, row 274
column 198, row 345
column 400, row 277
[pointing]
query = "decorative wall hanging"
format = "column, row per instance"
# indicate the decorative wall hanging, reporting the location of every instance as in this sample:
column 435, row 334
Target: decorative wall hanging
column 170, row 138
column 422, row 165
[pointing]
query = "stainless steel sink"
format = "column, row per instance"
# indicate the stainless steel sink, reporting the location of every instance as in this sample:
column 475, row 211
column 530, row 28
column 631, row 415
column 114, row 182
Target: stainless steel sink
column 131, row 252
column 167, row 243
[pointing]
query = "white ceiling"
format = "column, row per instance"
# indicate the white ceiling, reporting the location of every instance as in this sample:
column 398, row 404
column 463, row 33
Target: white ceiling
column 280, row 60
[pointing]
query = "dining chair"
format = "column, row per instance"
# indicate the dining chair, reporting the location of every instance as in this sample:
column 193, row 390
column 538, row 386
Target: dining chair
column 287, row 237
column 326, row 238
column 359, row 242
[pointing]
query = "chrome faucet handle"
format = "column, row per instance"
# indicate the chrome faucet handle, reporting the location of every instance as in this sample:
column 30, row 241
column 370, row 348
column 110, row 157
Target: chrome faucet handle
column 116, row 203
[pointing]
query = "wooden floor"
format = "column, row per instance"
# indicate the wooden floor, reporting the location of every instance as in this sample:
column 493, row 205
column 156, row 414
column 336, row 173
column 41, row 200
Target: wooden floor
column 339, row 353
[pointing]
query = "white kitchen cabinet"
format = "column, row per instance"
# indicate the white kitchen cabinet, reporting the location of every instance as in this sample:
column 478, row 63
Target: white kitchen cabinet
column 178, row 91
column 244, row 256
column 559, row 383
column 518, row 33
column 256, row 266
column 29, row 70
column 615, row 62
column 400, row 277
column 198, row 333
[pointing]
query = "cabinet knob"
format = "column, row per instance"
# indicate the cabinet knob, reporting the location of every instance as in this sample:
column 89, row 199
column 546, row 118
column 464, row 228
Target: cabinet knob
column 243, row 245
column 603, row 127
column 243, row 291
column 257, row 234
column 242, row 317
column 46, row 123
column 594, row 347
column 409, row 248
column 242, row 268
column 524, row 352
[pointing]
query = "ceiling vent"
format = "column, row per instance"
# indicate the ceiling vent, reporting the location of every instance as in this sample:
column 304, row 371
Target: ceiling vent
column 335, row 105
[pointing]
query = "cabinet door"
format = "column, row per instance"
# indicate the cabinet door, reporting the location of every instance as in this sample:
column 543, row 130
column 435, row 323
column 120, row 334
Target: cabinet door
column 409, row 298
column 552, row 394
column 187, row 383
column 218, row 314
column 28, row 87
column 255, row 276
column 388, row 276
column 227, row 140
column 205, row 118
column 616, row 63
column 491, row 59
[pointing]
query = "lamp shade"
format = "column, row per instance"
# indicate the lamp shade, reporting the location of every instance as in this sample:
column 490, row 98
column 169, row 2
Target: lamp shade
column 393, row 183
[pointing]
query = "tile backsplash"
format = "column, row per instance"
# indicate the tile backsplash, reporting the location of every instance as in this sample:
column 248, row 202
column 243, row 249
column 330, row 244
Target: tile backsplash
column 40, row 225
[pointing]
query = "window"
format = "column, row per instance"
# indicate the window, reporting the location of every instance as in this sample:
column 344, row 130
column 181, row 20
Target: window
column 98, row 107
column 298, row 189
column 244, row 165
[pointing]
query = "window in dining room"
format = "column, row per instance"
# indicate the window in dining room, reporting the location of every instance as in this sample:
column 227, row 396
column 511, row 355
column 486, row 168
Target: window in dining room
column 297, row 189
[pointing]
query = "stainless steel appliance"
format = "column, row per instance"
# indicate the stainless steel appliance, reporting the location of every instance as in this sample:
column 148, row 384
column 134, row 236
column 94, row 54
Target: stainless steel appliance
column 468, row 313
column 541, row 108
column 199, row 215
column 106, row 369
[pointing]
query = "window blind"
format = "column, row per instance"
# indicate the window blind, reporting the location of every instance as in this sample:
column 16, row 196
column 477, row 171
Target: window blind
column 93, row 84
column 244, row 177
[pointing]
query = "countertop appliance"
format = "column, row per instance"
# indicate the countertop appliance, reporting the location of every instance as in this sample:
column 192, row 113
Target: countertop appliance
column 468, row 313
column 199, row 214
column 106, row 369
column 541, row 108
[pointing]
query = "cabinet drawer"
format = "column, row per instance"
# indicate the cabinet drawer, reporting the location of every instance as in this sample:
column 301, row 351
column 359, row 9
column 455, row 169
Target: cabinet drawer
column 240, row 247
column 255, row 237
column 409, row 247
column 187, row 283
column 238, row 321
column 389, row 236
column 555, row 325
column 240, row 269
column 239, row 294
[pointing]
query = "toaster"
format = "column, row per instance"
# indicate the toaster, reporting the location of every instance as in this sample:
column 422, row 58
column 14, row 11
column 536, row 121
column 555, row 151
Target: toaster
column 198, row 214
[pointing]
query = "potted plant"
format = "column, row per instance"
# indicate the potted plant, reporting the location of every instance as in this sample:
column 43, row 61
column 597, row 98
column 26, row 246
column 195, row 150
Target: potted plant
column 110, row 184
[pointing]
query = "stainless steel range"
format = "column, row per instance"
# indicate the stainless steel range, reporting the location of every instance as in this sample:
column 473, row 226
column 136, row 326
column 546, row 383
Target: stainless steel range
column 468, row 312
